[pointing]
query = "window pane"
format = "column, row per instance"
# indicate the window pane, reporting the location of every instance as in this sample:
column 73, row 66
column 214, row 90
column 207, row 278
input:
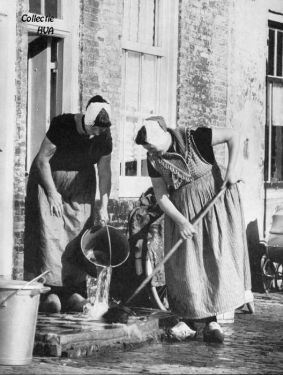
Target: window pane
column 275, row 173
column 131, row 168
column 141, row 90
column 56, row 77
column 142, row 25
column 132, row 82
column 142, row 21
column 51, row 8
column 126, row 19
column 35, row 6
column 131, row 150
column 279, row 54
column 158, row 23
column 277, row 154
column 271, row 53
column 144, row 171
column 132, row 110
column 147, row 22
column 277, row 105
column 134, row 20
column 148, row 92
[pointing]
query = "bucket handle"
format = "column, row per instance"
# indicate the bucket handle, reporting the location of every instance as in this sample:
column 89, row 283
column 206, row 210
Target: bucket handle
column 3, row 302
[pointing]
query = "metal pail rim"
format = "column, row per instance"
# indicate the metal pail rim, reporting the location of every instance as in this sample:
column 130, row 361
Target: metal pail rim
column 18, row 284
column 95, row 232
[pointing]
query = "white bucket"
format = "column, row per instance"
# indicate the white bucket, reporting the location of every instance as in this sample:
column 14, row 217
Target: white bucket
column 18, row 315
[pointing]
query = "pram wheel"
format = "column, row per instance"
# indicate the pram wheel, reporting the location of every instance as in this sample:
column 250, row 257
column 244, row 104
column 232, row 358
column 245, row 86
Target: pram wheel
column 268, row 274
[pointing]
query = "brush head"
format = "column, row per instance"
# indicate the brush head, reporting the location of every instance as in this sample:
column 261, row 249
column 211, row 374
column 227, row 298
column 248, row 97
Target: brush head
column 118, row 313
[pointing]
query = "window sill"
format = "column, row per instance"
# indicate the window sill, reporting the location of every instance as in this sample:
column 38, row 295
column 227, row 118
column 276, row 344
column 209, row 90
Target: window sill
column 274, row 185
column 143, row 48
column 133, row 186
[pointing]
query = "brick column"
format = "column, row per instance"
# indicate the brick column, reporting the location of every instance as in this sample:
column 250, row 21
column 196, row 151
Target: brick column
column 7, row 131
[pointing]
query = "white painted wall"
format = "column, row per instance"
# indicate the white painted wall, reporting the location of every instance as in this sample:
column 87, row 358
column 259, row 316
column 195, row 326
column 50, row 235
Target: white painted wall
column 71, row 56
column 275, row 5
column 7, row 131
column 246, row 98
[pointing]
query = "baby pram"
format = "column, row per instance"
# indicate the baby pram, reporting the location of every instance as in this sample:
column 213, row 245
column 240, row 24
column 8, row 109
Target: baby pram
column 272, row 259
column 146, row 230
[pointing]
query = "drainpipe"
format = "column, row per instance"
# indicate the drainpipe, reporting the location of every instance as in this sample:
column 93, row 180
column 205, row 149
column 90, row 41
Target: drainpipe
column 7, row 131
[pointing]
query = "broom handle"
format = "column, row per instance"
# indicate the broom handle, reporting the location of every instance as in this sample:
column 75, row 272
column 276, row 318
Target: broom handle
column 175, row 247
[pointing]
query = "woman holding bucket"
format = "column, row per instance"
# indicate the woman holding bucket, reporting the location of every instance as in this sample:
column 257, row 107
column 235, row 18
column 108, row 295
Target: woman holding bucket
column 60, row 199
column 210, row 273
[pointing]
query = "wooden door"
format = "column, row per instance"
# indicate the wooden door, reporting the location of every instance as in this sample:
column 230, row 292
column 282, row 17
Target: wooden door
column 38, row 103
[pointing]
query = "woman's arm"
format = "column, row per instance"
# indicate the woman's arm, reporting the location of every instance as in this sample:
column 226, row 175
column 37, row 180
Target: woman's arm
column 46, row 151
column 232, row 138
column 104, row 174
column 162, row 197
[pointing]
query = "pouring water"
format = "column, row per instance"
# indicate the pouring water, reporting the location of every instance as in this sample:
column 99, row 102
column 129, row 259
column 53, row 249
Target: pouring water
column 98, row 298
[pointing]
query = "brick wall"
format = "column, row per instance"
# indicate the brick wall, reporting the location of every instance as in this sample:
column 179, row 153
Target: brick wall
column 20, row 141
column 202, row 79
column 202, row 64
column 221, row 78
column 100, row 63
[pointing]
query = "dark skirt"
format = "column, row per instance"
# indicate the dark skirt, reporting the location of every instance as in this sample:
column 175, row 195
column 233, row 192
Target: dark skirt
column 210, row 273
column 53, row 242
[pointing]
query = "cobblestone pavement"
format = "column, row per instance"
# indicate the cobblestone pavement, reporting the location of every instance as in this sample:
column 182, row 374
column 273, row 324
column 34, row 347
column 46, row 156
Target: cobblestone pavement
column 253, row 345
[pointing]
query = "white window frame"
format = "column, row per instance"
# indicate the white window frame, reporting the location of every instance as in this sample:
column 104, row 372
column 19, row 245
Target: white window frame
column 60, row 25
column 133, row 186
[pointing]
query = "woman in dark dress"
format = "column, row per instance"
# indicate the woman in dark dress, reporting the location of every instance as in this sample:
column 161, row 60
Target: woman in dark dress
column 209, row 274
column 60, row 200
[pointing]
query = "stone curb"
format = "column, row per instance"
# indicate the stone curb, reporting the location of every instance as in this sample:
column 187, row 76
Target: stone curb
column 67, row 336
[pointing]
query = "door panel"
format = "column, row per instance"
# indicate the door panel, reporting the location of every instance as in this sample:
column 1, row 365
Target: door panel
column 45, row 77
column 37, row 96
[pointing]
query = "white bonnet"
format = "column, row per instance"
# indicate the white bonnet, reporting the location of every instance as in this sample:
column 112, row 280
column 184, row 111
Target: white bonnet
column 155, row 130
column 93, row 110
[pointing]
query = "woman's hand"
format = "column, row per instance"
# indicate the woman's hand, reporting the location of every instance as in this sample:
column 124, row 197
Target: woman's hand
column 187, row 230
column 55, row 203
column 231, row 178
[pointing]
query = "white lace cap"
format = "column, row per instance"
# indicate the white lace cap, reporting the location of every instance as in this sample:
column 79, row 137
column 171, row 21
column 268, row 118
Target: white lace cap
column 93, row 110
column 155, row 135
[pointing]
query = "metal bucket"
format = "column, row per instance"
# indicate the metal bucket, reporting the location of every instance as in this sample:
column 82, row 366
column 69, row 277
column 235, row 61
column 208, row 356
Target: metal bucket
column 103, row 247
column 19, row 302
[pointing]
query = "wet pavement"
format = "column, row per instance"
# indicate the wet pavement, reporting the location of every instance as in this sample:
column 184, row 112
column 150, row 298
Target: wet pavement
column 76, row 335
column 253, row 345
